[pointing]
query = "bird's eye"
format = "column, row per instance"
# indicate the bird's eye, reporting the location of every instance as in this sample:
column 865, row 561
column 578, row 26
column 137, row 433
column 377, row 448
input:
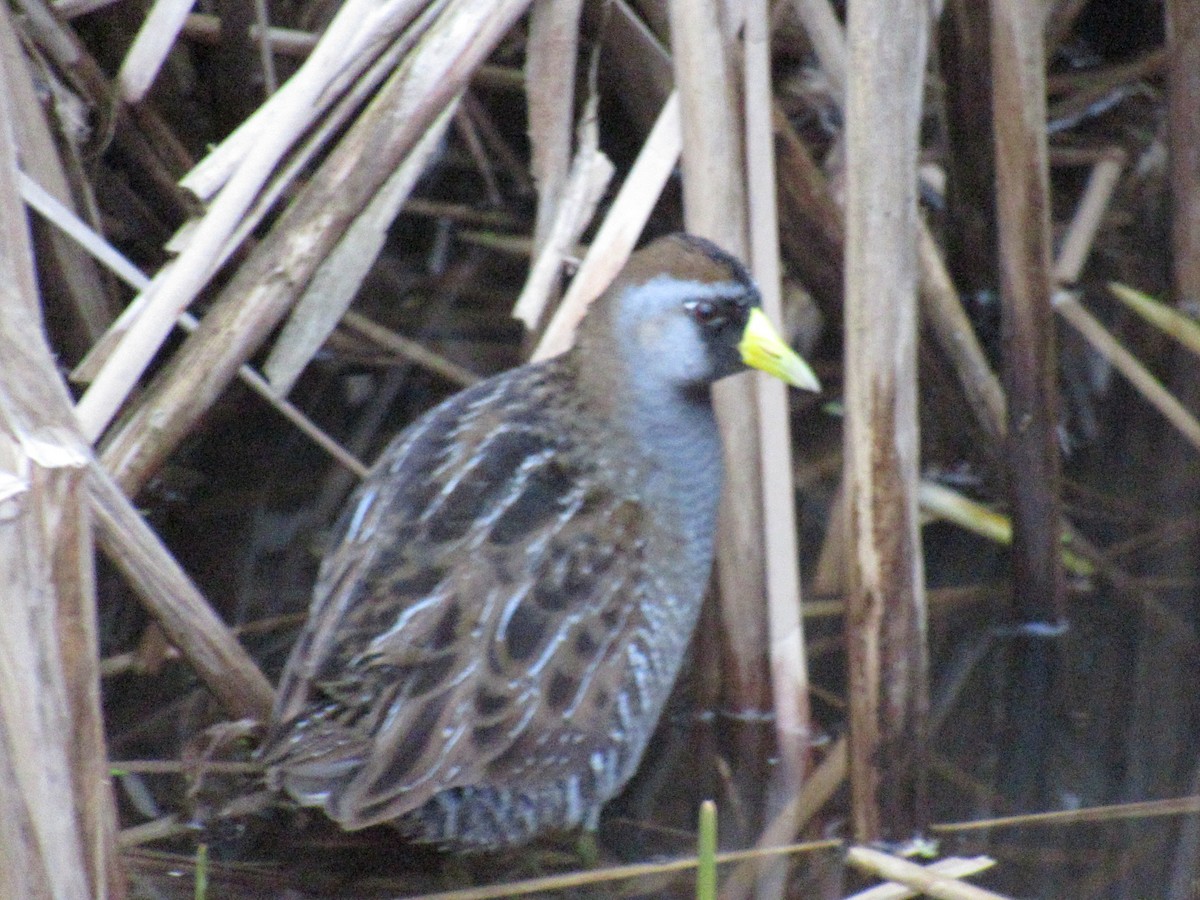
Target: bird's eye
column 706, row 312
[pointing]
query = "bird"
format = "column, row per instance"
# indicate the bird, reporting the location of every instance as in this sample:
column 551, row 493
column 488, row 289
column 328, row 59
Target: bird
column 504, row 612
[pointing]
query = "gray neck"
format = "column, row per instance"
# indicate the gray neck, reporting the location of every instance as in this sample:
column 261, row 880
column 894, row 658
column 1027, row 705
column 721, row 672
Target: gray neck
column 681, row 440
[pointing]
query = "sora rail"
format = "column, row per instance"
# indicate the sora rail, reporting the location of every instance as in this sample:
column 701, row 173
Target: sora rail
column 514, row 585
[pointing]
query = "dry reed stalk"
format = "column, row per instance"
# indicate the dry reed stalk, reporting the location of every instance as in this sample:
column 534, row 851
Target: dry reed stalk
column 828, row 42
column 812, row 240
column 166, row 828
column 1035, row 666
column 575, row 204
column 619, row 232
column 969, row 227
column 137, row 131
column 1025, row 268
column 64, row 270
column 636, row 62
column 206, row 29
column 1143, row 381
column 1177, row 325
column 261, row 37
column 505, row 156
column 955, row 336
column 297, row 163
column 410, row 350
column 574, row 881
column 550, row 56
column 805, row 191
column 350, row 50
column 888, row 678
column 71, row 9
column 951, row 867
column 71, row 226
column 468, row 133
column 267, row 283
column 714, row 203
column 1183, row 137
column 800, row 809
column 925, row 881
column 788, row 667
column 1116, row 812
column 350, row 31
column 1089, row 213
column 336, row 282
column 57, row 819
column 828, row 576
column 150, row 47
column 1076, row 245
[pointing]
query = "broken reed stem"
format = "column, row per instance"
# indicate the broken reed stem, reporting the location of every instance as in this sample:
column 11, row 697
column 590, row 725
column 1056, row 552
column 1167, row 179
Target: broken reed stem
column 150, row 48
column 72, row 226
column 828, row 41
column 267, row 283
column 888, row 678
column 1183, row 146
column 67, row 274
column 923, row 880
column 336, row 282
column 951, row 867
column 1035, row 672
column 1075, row 248
column 714, row 206
column 175, row 288
column 214, row 171
column 575, row 204
column 1089, row 214
column 820, row 786
column 299, row 161
column 789, row 669
column 57, row 818
column 620, row 230
column 550, row 59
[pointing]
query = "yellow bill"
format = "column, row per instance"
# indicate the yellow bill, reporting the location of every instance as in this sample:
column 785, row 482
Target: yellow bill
column 762, row 348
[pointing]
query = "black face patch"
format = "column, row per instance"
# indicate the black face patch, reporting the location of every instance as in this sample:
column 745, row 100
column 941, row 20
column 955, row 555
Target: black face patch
column 721, row 314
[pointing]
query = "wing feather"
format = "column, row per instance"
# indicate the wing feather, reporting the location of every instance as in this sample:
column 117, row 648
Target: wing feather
column 480, row 623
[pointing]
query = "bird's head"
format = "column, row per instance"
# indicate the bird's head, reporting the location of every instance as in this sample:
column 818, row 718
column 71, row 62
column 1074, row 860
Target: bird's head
column 684, row 313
